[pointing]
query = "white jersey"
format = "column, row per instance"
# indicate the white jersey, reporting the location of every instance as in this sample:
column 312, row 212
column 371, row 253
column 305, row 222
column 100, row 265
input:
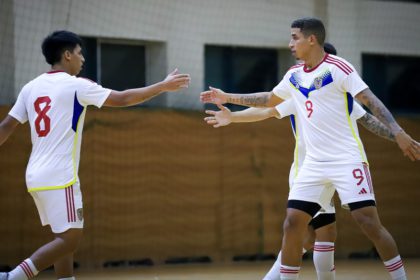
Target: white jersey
column 288, row 108
column 55, row 103
column 323, row 97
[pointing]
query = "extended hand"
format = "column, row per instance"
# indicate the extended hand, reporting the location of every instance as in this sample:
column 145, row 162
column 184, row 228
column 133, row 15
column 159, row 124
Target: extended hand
column 219, row 118
column 175, row 81
column 409, row 146
column 214, row 95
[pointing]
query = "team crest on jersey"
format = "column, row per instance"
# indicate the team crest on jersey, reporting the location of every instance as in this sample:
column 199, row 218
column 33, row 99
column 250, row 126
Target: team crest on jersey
column 318, row 82
column 321, row 81
column 80, row 214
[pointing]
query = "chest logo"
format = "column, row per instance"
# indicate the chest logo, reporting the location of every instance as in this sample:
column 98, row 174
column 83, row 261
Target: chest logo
column 318, row 82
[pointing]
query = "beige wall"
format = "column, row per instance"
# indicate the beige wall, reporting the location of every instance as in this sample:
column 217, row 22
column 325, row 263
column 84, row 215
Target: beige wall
column 185, row 26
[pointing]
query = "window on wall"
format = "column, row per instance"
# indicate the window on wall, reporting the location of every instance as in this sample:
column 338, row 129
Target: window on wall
column 115, row 65
column 395, row 80
column 241, row 70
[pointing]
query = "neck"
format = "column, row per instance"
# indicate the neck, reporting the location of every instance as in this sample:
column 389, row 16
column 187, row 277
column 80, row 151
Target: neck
column 314, row 58
column 59, row 67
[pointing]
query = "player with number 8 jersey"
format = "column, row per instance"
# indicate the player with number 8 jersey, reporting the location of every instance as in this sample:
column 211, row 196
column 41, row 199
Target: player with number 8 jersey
column 55, row 105
column 56, row 127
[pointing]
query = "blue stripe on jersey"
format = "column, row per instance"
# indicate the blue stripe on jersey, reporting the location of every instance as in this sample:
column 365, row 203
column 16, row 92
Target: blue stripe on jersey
column 293, row 123
column 318, row 83
column 77, row 112
column 349, row 103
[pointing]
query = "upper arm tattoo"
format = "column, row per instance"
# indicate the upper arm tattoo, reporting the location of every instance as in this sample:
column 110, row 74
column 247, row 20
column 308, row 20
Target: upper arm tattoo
column 376, row 127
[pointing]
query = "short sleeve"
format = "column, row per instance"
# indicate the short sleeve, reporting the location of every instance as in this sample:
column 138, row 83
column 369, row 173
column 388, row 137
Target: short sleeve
column 286, row 108
column 353, row 84
column 358, row 111
column 18, row 110
column 282, row 90
column 90, row 93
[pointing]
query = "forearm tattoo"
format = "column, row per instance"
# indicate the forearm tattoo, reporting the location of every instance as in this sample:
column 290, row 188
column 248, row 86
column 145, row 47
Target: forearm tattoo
column 376, row 127
column 379, row 110
column 251, row 100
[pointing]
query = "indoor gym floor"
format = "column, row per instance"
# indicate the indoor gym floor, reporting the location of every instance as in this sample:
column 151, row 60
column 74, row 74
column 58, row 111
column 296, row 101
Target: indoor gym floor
column 346, row 270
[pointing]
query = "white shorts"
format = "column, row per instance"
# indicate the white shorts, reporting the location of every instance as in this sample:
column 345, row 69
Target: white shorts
column 317, row 181
column 61, row 209
column 326, row 209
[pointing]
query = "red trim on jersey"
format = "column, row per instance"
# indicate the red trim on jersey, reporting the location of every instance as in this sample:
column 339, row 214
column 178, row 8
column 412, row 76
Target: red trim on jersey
column 312, row 69
column 340, row 65
column 345, row 65
column 55, row 71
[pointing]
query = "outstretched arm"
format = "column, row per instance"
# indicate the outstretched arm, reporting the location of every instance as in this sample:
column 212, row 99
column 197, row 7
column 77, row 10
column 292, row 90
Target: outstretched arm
column 173, row 82
column 7, row 126
column 409, row 146
column 225, row 116
column 372, row 124
column 260, row 99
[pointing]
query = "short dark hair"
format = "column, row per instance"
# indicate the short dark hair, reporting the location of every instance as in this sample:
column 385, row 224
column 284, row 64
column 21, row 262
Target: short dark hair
column 57, row 43
column 329, row 48
column 311, row 26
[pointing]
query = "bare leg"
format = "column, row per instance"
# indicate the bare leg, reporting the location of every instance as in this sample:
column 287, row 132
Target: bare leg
column 368, row 220
column 327, row 233
column 294, row 230
column 62, row 246
column 309, row 240
column 64, row 267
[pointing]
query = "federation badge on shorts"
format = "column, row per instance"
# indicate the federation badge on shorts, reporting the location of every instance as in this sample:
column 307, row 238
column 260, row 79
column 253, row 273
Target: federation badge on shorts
column 80, row 214
column 318, row 82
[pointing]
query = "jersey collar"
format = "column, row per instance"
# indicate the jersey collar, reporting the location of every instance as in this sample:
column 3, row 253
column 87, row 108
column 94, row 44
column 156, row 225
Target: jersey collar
column 55, row 71
column 312, row 69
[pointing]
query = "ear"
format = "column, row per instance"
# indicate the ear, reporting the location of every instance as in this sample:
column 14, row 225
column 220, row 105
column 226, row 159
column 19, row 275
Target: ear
column 312, row 40
column 67, row 55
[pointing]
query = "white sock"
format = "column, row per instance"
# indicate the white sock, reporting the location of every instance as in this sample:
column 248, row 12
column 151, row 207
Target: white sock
column 289, row 272
column 395, row 268
column 324, row 260
column 274, row 273
column 24, row 271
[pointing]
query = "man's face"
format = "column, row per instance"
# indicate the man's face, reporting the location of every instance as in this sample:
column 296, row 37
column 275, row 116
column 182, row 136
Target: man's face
column 76, row 60
column 299, row 45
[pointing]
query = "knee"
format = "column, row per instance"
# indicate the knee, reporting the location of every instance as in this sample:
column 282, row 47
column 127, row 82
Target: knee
column 292, row 224
column 371, row 227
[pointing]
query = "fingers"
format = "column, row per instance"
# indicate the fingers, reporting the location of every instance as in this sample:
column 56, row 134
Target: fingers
column 206, row 97
column 181, row 76
column 174, row 72
column 414, row 149
column 210, row 112
column 221, row 107
column 214, row 89
column 410, row 155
